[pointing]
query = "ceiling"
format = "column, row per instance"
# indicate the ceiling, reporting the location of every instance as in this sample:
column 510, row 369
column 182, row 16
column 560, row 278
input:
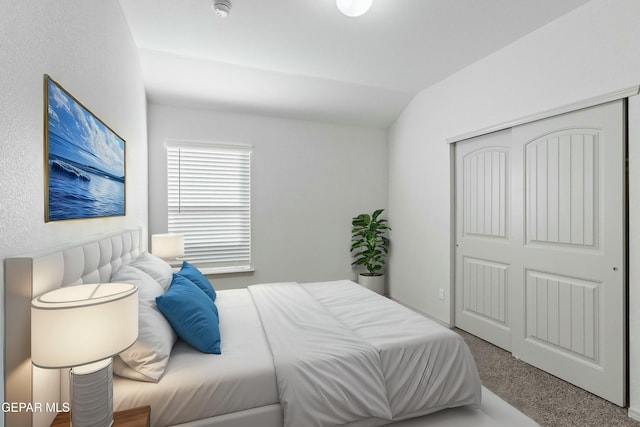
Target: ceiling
column 303, row 59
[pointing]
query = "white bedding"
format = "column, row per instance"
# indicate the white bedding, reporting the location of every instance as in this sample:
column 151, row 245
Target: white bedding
column 410, row 365
column 326, row 374
column 427, row 367
column 197, row 385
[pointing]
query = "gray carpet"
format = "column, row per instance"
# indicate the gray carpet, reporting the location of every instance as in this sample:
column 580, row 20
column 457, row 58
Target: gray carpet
column 546, row 399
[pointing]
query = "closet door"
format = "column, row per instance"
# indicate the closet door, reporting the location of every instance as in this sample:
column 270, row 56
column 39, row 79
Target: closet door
column 540, row 245
column 483, row 237
column 569, row 222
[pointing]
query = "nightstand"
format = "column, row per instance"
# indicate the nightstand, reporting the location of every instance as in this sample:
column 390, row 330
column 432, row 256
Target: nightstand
column 136, row 417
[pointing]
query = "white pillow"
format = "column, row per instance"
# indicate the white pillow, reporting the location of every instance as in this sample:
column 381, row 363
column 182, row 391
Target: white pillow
column 155, row 267
column 149, row 355
column 123, row 370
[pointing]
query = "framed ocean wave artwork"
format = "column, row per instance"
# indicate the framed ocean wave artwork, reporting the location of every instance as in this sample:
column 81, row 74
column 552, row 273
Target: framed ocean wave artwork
column 84, row 160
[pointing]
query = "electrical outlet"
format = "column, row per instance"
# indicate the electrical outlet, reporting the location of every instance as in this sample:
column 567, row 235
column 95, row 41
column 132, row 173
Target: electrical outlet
column 441, row 294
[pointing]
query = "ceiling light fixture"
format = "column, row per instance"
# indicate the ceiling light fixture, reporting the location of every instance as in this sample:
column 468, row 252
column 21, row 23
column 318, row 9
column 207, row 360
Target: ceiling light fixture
column 222, row 8
column 354, row 8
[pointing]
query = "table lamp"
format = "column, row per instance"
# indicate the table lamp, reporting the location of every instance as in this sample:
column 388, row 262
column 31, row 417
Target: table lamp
column 82, row 327
column 168, row 246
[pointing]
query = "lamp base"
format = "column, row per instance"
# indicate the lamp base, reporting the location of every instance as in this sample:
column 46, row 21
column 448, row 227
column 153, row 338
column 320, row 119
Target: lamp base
column 92, row 394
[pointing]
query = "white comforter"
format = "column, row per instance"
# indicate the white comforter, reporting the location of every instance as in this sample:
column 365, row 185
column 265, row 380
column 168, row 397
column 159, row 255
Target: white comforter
column 326, row 374
column 345, row 355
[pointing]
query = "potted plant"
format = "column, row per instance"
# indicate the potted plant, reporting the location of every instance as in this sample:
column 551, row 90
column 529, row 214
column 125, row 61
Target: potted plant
column 369, row 246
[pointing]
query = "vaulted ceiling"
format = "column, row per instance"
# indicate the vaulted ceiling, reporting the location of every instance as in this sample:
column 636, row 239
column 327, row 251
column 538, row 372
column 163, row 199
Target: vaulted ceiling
column 304, row 59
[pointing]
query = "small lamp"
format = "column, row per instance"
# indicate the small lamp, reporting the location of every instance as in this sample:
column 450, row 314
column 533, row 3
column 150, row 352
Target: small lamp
column 169, row 246
column 82, row 327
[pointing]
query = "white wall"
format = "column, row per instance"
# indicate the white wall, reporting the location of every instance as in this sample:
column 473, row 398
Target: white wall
column 85, row 46
column 308, row 180
column 589, row 52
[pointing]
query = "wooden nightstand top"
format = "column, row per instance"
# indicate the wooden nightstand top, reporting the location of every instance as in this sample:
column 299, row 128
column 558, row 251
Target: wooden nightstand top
column 136, row 417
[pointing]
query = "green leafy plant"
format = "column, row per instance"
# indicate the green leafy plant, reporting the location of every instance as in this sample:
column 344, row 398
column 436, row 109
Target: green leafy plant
column 369, row 243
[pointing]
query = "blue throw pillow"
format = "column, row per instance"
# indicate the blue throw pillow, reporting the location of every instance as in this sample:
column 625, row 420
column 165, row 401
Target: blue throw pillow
column 191, row 314
column 196, row 276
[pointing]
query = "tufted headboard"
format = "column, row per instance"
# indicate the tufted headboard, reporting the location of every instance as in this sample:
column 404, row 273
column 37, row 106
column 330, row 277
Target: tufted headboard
column 90, row 261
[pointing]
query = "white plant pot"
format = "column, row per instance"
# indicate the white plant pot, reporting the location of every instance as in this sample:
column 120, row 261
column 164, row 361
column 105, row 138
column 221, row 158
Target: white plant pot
column 375, row 283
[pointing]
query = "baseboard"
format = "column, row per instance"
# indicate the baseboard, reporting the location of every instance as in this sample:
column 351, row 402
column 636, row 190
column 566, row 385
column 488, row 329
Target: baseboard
column 634, row 413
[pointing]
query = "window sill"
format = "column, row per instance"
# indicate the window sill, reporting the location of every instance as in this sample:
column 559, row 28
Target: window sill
column 227, row 270
column 176, row 264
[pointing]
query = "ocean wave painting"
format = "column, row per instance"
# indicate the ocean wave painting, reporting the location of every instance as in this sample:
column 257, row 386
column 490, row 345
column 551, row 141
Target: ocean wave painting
column 85, row 161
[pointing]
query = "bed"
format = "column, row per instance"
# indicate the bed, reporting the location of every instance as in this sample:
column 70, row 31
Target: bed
column 292, row 354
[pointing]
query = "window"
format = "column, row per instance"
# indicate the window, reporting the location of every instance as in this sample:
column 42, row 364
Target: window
column 209, row 202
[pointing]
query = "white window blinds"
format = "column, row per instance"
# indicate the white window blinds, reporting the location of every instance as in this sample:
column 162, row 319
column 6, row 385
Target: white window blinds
column 209, row 202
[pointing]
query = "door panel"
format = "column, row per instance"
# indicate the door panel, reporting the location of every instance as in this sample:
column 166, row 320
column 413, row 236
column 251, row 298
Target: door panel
column 573, row 255
column 483, row 238
column 561, row 171
column 485, row 192
column 562, row 314
column 485, row 289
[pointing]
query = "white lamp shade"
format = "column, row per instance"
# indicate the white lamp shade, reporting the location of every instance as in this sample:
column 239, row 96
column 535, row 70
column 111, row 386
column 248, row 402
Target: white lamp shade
column 83, row 324
column 354, row 8
column 167, row 245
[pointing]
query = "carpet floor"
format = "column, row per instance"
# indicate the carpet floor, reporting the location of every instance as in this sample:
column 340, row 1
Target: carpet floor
column 546, row 399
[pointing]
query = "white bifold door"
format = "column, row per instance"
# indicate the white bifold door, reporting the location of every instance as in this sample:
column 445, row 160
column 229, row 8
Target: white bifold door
column 540, row 245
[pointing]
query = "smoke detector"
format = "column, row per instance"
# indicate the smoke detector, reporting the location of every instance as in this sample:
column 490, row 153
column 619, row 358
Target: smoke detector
column 222, row 8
